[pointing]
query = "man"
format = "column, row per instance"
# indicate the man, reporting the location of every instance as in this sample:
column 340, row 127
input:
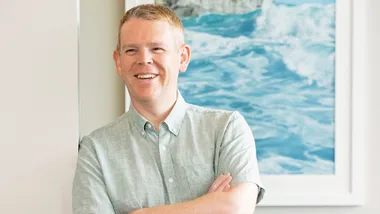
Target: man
column 164, row 155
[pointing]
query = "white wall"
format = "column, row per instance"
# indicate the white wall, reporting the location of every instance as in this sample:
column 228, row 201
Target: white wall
column 38, row 108
column 39, row 105
column 101, row 90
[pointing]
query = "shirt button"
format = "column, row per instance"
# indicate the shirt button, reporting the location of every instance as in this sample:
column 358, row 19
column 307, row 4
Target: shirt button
column 171, row 180
column 163, row 148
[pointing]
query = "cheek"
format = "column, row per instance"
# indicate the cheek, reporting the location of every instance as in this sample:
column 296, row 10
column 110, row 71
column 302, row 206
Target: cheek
column 168, row 66
column 174, row 64
column 126, row 65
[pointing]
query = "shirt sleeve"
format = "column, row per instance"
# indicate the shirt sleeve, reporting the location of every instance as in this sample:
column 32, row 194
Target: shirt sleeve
column 89, row 192
column 237, row 154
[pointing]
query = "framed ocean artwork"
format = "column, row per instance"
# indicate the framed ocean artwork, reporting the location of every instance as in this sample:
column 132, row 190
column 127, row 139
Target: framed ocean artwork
column 296, row 70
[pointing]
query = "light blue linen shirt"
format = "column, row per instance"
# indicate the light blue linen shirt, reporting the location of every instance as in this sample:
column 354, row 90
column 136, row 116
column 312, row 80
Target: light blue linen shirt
column 127, row 164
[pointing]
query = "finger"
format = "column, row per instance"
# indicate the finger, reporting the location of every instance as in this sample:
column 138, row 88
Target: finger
column 226, row 188
column 217, row 182
column 220, row 182
column 224, row 183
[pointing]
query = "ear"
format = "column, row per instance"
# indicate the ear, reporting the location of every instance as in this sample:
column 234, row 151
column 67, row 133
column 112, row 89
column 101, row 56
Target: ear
column 116, row 58
column 185, row 57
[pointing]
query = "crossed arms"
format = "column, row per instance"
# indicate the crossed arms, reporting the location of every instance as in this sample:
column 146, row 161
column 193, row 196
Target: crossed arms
column 220, row 199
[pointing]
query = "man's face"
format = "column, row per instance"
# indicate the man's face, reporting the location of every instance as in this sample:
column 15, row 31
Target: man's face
column 150, row 59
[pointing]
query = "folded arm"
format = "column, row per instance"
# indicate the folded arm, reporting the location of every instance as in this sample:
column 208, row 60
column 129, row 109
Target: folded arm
column 240, row 199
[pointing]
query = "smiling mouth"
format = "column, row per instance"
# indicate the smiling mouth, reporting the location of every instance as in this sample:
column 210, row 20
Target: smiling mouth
column 146, row 76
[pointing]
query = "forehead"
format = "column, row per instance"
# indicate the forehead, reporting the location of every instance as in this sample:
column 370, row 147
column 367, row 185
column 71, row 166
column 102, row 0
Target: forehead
column 147, row 31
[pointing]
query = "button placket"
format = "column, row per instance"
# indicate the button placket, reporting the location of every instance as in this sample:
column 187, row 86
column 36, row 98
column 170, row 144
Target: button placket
column 167, row 164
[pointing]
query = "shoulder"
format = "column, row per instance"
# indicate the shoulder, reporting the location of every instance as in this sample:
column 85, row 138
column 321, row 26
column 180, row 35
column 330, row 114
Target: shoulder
column 109, row 130
column 212, row 112
column 214, row 115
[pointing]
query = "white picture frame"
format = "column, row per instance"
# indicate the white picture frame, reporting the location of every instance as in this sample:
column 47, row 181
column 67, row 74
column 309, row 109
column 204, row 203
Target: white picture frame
column 347, row 186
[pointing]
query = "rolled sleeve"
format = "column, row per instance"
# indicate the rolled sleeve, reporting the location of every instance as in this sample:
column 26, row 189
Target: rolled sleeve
column 238, row 154
column 89, row 192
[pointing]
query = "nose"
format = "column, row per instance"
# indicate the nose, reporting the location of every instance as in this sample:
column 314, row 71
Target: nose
column 144, row 57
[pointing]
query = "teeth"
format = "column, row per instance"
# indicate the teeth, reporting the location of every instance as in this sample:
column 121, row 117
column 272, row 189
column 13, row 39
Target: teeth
column 146, row 76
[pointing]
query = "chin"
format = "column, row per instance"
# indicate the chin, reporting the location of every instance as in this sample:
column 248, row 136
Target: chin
column 146, row 96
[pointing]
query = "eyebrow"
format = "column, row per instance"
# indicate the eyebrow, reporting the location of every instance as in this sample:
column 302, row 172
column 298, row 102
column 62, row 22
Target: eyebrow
column 151, row 44
column 128, row 46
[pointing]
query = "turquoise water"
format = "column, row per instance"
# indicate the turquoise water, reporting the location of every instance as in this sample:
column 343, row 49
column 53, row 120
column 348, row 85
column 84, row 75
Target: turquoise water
column 275, row 66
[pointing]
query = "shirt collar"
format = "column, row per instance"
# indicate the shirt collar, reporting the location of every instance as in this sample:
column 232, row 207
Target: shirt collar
column 137, row 119
column 173, row 120
column 176, row 115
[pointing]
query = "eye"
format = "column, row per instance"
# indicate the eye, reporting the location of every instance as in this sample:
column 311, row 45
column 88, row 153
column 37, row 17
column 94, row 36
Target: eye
column 130, row 51
column 158, row 50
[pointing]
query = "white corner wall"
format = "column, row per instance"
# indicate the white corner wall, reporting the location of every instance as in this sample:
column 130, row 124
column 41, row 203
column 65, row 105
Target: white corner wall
column 39, row 105
column 39, row 101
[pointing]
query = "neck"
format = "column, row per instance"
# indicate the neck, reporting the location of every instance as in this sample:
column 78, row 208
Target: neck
column 155, row 111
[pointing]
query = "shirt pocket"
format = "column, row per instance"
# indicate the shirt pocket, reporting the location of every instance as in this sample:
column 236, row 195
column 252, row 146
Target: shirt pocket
column 199, row 178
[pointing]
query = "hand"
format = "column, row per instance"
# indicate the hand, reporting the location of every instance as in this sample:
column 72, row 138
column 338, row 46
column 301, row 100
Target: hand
column 221, row 184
